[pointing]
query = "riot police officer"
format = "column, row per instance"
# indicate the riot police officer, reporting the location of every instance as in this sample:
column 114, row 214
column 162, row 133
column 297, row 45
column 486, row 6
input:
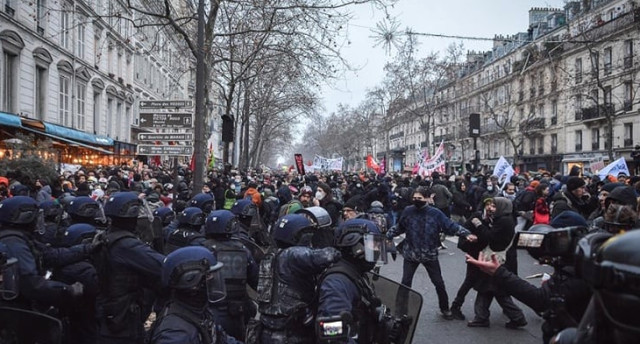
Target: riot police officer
column 204, row 201
column 612, row 315
column 247, row 214
column 190, row 221
column 192, row 275
column 84, row 209
column 18, row 219
column 346, row 295
column 51, row 231
column 286, row 289
column 238, row 271
column 125, row 267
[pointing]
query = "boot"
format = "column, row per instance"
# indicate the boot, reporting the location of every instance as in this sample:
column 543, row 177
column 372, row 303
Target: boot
column 457, row 313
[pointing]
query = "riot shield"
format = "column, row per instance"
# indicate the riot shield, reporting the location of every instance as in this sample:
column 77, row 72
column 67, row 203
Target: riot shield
column 24, row 326
column 403, row 303
column 257, row 252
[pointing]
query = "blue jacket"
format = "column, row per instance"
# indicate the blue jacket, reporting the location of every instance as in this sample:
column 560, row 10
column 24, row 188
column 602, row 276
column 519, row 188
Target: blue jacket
column 422, row 228
column 174, row 329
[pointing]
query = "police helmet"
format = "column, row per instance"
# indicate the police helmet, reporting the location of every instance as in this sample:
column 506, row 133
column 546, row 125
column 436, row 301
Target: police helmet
column 83, row 206
column 9, row 272
column 220, row 222
column 19, row 210
column 317, row 215
column 165, row 214
column 203, row 201
column 77, row 234
column 244, row 208
column 187, row 267
column 361, row 239
column 191, row 216
column 290, row 229
column 617, row 286
column 619, row 218
column 51, row 209
column 123, row 205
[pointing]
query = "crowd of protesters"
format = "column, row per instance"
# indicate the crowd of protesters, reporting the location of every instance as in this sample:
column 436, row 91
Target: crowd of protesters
column 478, row 208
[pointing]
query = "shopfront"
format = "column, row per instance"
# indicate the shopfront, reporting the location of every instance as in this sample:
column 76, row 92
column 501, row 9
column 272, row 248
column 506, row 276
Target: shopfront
column 53, row 142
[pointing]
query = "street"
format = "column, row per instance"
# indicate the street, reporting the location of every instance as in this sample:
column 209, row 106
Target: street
column 432, row 328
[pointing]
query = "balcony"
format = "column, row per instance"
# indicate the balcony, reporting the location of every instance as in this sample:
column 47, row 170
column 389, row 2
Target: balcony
column 489, row 128
column 628, row 62
column 440, row 138
column 628, row 105
column 532, row 125
column 578, row 77
column 628, row 142
column 595, row 112
column 396, row 135
column 540, row 90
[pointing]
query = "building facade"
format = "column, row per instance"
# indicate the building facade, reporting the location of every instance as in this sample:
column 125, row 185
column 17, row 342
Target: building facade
column 547, row 98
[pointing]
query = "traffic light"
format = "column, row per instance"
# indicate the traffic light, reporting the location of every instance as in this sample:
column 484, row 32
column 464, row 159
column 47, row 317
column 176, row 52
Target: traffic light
column 227, row 128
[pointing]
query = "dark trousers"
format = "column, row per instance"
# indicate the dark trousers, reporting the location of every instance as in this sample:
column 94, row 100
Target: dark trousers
column 483, row 302
column 469, row 280
column 435, row 274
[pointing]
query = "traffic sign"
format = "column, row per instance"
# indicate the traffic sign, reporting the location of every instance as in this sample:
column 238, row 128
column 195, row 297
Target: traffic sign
column 166, row 120
column 165, row 137
column 165, row 150
column 165, row 104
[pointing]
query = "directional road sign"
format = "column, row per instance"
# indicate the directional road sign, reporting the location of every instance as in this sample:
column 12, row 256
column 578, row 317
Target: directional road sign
column 165, row 104
column 166, row 120
column 165, row 150
column 165, row 137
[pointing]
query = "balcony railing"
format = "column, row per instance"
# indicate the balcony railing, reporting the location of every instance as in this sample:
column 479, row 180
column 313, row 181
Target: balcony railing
column 628, row 105
column 541, row 90
column 532, row 124
column 628, row 142
column 396, row 135
column 595, row 112
column 532, row 151
column 540, row 150
column 578, row 77
column 489, row 128
column 595, row 145
column 628, row 62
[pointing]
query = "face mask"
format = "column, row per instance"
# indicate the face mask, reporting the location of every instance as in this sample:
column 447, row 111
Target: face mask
column 489, row 187
column 319, row 195
column 419, row 203
column 510, row 197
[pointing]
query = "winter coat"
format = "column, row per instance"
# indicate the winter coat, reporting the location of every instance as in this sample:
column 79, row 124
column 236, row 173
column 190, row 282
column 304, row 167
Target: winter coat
column 541, row 212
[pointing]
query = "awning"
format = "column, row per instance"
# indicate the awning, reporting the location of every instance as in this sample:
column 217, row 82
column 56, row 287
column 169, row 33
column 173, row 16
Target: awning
column 77, row 135
column 10, row 120
column 69, row 142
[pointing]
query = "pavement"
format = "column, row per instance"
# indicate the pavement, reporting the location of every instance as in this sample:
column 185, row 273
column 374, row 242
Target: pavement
column 432, row 328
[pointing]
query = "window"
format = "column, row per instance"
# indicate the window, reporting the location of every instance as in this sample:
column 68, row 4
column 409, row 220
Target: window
column 65, row 27
column 595, row 139
column 607, row 61
column 40, row 87
column 532, row 146
column 578, row 70
column 607, row 95
column 65, row 101
column 554, row 143
column 81, row 38
column 554, row 112
column 628, row 134
column 109, row 115
column 41, row 11
column 578, row 107
column 541, row 111
column 119, row 118
column 97, row 50
column 541, row 145
column 96, row 113
column 628, row 96
column 578, row 139
column 628, row 53
column 595, row 63
column 81, row 96
column 9, row 81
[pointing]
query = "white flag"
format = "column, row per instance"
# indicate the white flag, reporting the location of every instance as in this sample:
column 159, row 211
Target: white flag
column 615, row 168
column 503, row 171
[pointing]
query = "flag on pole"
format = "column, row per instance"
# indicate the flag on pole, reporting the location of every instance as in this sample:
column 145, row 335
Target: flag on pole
column 503, row 171
column 614, row 169
column 372, row 164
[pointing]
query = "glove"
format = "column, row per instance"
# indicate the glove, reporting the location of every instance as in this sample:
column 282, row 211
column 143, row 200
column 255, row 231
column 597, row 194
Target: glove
column 333, row 254
column 97, row 242
column 75, row 290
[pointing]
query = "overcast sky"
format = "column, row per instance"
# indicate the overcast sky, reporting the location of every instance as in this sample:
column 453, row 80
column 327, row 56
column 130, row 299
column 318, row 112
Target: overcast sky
column 477, row 18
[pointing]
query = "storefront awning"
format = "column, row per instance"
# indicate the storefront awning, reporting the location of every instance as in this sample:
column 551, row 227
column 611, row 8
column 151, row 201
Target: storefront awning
column 10, row 120
column 77, row 135
column 69, row 142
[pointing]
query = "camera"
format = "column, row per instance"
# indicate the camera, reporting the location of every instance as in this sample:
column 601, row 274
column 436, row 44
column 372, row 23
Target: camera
column 551, row 245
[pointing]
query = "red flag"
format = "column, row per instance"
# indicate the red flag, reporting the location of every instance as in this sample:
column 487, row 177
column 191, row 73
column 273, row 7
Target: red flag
column 372, row 164
column 192, row 165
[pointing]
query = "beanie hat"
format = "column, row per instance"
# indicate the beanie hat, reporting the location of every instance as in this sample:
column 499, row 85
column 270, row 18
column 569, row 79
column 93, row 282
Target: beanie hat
column 574, row 182
column 354, row 203
column 534, row 184
column 624, row 195
column 376, row 204
column 568, row 218
column 608, row 187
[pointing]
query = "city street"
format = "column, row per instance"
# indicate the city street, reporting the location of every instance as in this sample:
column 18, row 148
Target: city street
column 433, row 328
